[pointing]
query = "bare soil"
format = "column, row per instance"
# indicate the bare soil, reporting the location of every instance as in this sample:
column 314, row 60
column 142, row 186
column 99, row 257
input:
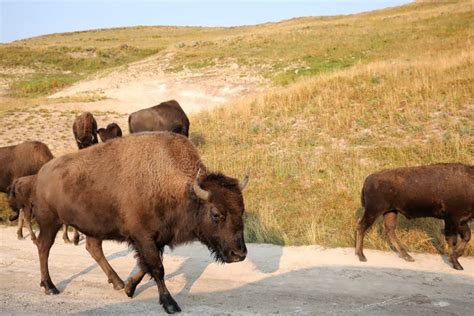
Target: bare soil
column 272, row 280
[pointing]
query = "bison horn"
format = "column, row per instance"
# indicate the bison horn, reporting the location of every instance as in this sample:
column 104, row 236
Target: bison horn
column 244, row 181
column 200, row 192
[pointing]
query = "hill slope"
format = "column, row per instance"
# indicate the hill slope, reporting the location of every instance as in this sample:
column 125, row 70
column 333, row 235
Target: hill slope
column 352, row 95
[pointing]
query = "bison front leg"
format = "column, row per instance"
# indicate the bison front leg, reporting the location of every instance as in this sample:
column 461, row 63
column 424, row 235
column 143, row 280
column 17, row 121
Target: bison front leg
column 451, row 232
column 465, row 233
column 150, row 261
column 390, row 224
column 133, row 282
column 131, row 285
column 94, row 247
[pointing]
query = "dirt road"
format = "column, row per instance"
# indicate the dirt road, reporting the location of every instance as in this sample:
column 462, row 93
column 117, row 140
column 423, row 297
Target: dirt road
column 272, row 280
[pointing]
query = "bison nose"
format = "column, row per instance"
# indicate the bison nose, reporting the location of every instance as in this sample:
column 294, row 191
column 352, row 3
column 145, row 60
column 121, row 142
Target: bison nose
column 239, row 255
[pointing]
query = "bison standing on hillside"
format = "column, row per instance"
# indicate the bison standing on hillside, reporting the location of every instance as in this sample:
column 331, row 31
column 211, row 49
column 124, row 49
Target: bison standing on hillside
column 18, row 161
column 85, row 130
column 166, row 116
column 144, row 189
column 444, row 191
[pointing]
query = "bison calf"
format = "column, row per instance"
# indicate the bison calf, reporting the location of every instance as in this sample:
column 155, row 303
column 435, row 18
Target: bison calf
column 20, row 198
column 444, row 191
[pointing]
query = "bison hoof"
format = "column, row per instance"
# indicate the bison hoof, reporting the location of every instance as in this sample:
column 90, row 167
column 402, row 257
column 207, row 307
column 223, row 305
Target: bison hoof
column 408, row 258
column 169, row 304
column 20, row 237
column 362, row 258
column 49, row 288
column 129, row 291
column 118, row 284
column 66, row 241
column 457, row 266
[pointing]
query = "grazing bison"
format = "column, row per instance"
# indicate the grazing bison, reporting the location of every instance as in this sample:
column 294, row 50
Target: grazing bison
column 144, row 189
column 85, row 130
column 21, row 197
column 21, row 160
column 166, row 116
column 112, row 131
column 444, row 191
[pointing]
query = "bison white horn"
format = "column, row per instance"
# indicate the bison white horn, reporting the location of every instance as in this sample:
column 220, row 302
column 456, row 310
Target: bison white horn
column 200, row 192
column 244, row 181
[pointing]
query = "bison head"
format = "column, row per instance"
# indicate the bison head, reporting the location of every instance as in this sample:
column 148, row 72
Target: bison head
column 112, row 131
column 221, row 225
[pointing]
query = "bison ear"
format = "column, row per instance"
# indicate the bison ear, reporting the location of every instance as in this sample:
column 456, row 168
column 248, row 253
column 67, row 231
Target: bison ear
column 244, row 181
column 200, row 192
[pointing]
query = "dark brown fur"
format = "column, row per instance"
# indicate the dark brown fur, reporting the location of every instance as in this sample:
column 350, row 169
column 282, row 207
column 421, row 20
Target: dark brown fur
column 139, row 189
column 444, row 191
column 85, row 130
column 166, row 116
column 21, row 197
column 113, row 130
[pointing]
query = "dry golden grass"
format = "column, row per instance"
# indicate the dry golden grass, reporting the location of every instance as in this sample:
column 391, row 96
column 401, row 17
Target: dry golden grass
column 311, row 145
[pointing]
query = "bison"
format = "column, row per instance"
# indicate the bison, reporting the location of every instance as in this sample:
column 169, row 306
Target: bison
column 85, row 130
column 21, row 197
column 166, row 116
column 21, row 160
column 112, row 130
column 444, row 191
column 144, row 189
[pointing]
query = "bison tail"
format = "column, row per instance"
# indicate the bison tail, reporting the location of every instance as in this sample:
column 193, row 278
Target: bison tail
column 362, row 198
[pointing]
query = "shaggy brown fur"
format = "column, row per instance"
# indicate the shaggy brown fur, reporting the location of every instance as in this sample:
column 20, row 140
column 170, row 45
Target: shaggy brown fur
column 142, row 189
column 112, row 131
column 166, row 116
column 21, row 196
column 21, row 160
column 444, row 191
column 85, row 130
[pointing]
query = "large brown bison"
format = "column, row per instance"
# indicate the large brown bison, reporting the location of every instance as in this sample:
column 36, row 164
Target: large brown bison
column 85, row 130
column 144, row 189
column 20, row 197
column 112, row 130
column 166, row 116
column 444, row 191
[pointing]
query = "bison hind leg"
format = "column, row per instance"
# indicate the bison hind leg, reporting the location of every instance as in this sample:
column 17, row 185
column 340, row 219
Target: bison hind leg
column 390, row 224
column 363, row 225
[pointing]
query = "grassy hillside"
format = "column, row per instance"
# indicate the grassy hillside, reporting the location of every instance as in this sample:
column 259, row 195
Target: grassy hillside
column 354, row 94
column 284, row 52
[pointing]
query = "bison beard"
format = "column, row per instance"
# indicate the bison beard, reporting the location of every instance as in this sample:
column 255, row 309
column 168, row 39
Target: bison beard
column 176, row 204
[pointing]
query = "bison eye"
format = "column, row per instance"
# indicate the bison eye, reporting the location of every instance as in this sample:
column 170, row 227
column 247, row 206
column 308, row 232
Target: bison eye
column 216, row 215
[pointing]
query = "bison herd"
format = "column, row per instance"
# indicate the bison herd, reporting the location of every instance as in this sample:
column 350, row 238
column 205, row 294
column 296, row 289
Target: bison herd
column 151, row 190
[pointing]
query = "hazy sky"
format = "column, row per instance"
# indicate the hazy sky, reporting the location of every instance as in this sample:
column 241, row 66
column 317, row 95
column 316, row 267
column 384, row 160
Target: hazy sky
column 27, row 18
